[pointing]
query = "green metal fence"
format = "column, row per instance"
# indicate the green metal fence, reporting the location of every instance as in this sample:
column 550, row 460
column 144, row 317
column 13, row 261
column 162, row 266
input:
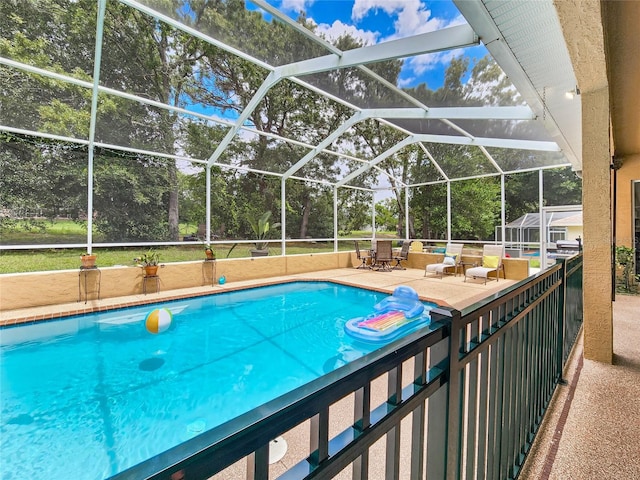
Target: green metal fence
column 464, row 399
column 572, row 268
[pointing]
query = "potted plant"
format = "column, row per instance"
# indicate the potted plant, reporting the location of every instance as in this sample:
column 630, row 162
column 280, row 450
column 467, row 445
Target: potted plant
column 150, row 262
column 261, row 228
column 208, row 251
column 88, row 260
column 625, row 261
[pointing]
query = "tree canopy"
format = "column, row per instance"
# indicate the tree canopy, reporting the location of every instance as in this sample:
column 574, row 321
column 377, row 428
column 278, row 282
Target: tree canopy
column 142, row 196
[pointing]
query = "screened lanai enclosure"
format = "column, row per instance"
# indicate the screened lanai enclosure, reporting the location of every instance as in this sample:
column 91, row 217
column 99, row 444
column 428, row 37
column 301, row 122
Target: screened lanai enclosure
column 182, row 121
column 127, row 123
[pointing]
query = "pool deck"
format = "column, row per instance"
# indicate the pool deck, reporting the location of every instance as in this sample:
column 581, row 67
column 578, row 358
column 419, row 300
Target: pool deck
column 450, row 290
column 590, row 430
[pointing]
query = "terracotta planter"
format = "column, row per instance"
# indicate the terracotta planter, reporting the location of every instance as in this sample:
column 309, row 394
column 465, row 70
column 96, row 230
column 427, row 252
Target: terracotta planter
column 150, row 270
column 209, row 254
column 88, row 261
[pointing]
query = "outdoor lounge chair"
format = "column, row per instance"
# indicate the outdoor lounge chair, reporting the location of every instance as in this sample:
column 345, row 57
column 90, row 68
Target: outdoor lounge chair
column 492, row 256
column 384, row 255
column 452, row 260
column 363, row 257
column 403, row 255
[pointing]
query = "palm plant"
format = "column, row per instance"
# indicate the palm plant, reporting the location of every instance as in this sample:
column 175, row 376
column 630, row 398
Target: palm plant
column 261, row 228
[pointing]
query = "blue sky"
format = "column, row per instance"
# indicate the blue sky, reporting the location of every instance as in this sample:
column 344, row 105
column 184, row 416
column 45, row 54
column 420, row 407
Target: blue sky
column 376, row 21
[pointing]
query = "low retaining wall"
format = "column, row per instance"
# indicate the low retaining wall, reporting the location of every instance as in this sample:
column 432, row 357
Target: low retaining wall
column 36, row 289
column 514, row 268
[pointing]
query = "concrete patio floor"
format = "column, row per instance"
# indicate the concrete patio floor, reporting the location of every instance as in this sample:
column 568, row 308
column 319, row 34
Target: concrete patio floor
column 592, row 428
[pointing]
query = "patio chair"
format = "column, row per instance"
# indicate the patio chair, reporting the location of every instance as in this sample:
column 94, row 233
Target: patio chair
column 384, row 255
column 202, row 233
column 492, row 256
column 402, row 255
column 452, row 260
column 363, row 257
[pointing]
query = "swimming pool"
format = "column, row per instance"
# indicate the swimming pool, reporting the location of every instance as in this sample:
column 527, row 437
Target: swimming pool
column 89, row 396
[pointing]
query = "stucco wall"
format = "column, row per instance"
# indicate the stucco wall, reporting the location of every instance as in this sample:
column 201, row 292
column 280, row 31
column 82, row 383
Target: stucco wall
column 35, row 289
column 596, row 201
column 624, row 215
column 515, row 268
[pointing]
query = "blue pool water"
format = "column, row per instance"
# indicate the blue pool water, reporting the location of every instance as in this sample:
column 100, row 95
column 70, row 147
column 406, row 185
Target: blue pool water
column 89, row 396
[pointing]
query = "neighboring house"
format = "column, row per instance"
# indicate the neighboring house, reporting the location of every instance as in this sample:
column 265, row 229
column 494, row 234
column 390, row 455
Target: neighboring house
column 558, row 225
column 566, row 228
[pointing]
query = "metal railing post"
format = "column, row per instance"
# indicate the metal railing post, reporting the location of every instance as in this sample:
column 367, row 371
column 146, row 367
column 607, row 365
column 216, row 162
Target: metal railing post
column 452, row 317
column 562, row 315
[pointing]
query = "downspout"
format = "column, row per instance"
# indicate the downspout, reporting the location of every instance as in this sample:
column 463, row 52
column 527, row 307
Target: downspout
column 335, row 219
column 406, row 213
column 614, row 170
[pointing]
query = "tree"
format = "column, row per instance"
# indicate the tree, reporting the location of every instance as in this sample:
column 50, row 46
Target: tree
column 387, row 214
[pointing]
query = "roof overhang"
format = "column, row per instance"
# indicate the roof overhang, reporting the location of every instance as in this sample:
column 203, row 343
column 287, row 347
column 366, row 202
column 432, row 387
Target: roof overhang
column 526, row 40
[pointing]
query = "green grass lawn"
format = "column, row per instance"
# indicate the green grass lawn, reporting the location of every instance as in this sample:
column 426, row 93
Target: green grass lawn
column 16, row 261
column 63, row 231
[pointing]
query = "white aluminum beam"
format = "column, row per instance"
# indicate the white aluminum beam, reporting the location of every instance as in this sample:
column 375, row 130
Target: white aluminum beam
column 456, row 113
column 357, row 117
column 445, row 39
column 269, row 82
column 50, row 136
column 333, row 49
column 491, row 159
column 192, row 31
column 448, row 212
column 102, row 6
column 512, row 113
column 433, row 160
column 486, row 142
column 387, row 153
column 111, row 91
column 490, row 142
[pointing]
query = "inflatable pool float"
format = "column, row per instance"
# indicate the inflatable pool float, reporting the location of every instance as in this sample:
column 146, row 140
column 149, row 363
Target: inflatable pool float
column 394, row 316
column 404, row 299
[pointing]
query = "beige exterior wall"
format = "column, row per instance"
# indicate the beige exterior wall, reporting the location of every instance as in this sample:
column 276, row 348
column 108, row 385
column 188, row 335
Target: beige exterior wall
column 574, row 232
column 581, row 22
column 629, row 172
column 24, row 290
column 596, row 201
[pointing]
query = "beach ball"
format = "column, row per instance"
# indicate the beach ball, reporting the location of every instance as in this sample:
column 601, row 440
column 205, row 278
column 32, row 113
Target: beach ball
column 158, row 320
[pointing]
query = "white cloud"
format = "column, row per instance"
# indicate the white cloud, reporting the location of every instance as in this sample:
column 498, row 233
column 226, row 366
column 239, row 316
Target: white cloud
column 337, row 28
column 295, row 5
column 413, row 16
column 406, row 82
column 422, row 63
column 361, row 8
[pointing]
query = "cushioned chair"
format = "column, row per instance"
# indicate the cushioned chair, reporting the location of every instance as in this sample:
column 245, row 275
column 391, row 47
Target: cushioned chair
column 403, row 255
column 452, row 260
column 363, row 257
column 416, row 246
column 492, row 256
